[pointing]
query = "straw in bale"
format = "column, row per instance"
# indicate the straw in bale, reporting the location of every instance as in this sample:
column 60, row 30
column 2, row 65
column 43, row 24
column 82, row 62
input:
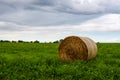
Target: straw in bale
column 77, row 48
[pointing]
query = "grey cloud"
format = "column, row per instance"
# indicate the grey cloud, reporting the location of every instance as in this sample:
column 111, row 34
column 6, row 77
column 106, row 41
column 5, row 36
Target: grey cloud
column 11, row 6
column 79, row 6
column 41, row 18
column 9, row 26
column 6, row 8
column 3, row 28
column 44, row 2
column 67, row 6
column 55, row 12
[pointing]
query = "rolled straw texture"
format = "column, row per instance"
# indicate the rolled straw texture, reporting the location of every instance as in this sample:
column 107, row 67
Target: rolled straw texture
column 77, row 48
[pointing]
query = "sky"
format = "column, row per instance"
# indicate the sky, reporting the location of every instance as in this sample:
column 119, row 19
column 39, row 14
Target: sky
column 50, row 20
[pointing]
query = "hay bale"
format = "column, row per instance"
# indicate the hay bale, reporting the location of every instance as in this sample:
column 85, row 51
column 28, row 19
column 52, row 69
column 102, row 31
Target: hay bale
column 77, row 48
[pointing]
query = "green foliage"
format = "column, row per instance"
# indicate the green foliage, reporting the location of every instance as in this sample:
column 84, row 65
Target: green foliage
column 36, row 41
column 39, row 61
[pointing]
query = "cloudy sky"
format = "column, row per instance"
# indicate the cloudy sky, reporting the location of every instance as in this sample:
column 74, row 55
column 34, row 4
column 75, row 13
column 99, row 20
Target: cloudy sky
column 50, row 20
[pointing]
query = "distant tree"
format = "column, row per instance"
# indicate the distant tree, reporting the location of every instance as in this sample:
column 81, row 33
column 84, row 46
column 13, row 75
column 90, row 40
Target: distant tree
column 98, row 42
column 1, row 41
column 56, row 41
column 49, row 42
column 14, row 41
column 7, row 41
column 60, row 40
column 31, row 41
column 20, row 41
column 26, row 41
column 36, row 41
column 4, row 41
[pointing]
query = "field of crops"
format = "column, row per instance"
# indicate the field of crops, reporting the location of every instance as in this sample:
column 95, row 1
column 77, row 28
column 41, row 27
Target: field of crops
column 39, row 61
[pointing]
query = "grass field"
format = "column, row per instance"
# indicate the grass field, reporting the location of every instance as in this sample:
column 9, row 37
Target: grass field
column 39, row 61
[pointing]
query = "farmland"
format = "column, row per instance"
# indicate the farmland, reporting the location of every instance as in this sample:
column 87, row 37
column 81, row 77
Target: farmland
column 39, row 61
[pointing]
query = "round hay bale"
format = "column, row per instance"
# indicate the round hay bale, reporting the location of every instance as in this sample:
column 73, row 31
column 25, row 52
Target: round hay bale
column 77, row 48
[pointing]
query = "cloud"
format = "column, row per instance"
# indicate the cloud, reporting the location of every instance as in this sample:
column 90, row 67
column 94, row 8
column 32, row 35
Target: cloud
column 105, row 23
column 109, row 22
column 79, row 6
column 30, row 19
column 55, row 12
column 41, row 18
column 9, row 26
column 51, row 33
column 115, row 40
column 67, row 6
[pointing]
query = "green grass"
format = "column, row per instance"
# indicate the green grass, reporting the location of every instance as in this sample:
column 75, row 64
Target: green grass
column 39, row 61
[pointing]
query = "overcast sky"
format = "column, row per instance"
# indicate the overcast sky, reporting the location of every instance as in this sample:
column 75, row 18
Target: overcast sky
column 50, row 20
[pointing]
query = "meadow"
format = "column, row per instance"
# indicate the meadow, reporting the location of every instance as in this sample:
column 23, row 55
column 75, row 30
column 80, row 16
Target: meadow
column 39, row 61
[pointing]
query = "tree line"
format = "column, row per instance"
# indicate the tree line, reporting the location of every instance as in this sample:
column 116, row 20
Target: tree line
column 36, row 41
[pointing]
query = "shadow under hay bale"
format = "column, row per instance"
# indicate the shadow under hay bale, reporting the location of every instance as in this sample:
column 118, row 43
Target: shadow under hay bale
column 77, row 48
